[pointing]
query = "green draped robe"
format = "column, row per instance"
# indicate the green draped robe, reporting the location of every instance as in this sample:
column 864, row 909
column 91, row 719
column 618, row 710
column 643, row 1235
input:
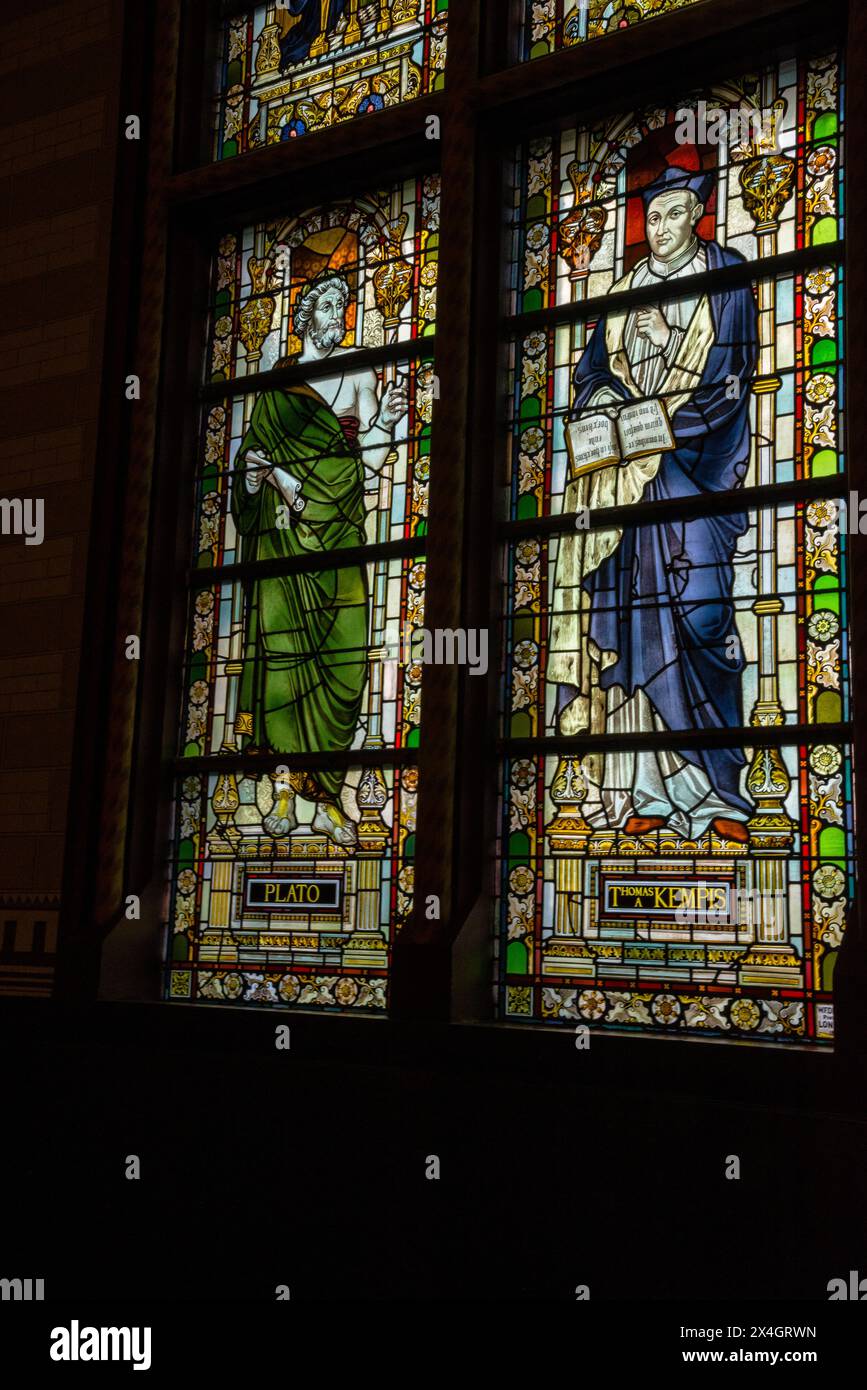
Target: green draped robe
column 305, row 658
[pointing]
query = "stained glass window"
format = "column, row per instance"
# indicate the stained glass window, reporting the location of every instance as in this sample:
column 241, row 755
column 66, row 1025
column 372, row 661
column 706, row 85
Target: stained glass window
column 296, row 792
column 287, row 70
column 675, row 847
column 552, row 24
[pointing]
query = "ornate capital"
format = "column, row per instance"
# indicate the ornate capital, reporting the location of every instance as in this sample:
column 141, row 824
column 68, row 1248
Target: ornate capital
column 391, row 288
column 257, row 314
column 268, row 57
column 766, row 184
column 372, row 792
column 581, row 229
column 224, row 804
column 371, row 796
column 568, row 830
column 768, row 783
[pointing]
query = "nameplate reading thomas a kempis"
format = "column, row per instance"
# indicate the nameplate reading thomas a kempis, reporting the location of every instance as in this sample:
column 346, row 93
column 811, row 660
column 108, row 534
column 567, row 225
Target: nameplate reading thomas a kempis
column 281, row 893
column 667, row 899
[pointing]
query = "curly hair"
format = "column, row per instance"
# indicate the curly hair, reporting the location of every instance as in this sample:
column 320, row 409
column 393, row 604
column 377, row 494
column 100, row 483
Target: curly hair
column 307, row 301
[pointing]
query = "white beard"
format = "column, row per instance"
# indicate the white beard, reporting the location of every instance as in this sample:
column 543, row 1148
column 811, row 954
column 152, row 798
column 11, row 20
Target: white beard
column 327, row 338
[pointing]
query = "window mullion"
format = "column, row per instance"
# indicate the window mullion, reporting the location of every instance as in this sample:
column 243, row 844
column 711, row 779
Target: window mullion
column 421, row 959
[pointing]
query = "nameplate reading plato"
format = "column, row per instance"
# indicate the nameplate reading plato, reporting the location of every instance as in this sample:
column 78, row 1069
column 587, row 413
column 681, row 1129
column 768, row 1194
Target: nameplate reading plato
column 662, row 898
column 277, row 894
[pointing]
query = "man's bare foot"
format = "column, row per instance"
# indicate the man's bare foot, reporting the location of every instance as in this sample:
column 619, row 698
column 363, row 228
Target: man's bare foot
column 281, row 819
column 639, row 825
column 330, row 820
column 731, row 830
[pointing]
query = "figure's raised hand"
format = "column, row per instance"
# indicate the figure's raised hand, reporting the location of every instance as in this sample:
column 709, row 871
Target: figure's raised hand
column 652, row 325
column 393, row 405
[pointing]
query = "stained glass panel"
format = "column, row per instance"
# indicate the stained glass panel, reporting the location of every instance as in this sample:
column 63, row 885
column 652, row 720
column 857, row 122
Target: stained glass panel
column 287, row 70
column 654, row 647
column 254, row 920
column 385, row 246
column 790, row 558
column 395, row 509
column 667, row 933
column 553, row 24
column 552, row 382
column 295, row 825
column 225, row 668
column 763, row 155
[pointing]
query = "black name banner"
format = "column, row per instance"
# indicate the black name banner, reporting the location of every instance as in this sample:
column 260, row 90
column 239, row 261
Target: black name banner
column 278, row 893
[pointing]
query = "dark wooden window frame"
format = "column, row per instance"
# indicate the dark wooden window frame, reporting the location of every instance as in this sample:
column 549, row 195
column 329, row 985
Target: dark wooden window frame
column 170, row 202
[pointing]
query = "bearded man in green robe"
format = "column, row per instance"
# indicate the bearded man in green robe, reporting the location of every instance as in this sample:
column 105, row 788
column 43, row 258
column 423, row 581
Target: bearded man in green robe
column 299, row 494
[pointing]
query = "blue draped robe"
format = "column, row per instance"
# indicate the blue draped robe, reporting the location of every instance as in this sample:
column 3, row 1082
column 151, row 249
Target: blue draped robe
column 663, row 600
column 295, row 46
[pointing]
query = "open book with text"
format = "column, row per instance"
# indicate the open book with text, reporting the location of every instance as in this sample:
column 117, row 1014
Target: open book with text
column 597, row 440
